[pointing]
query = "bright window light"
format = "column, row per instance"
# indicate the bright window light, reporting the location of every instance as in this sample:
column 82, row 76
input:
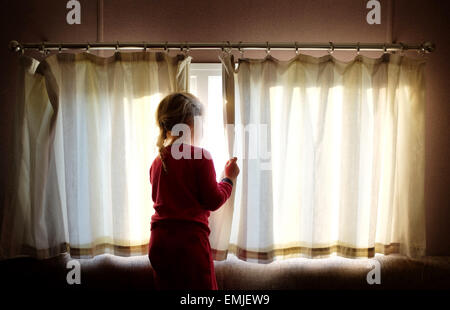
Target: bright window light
column 206, row 84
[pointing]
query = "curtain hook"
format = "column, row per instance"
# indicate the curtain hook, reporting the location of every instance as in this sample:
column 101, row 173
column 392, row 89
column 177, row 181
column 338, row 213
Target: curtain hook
column 165, row 48
column 358, row 49
column 183, row 50
column 117, row 46
column 331, row 48
column 296, row 47
column 421, row 51
column 87, row 48
column 145, row 46
column 229, row 47
column 402, row 50
column 267, row 48
column 42, row 49
column 241, row 51
column 59, row 48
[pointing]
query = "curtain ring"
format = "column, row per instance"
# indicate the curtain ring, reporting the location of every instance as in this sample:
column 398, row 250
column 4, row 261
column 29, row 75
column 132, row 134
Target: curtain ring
column 44, row 51
column 117, row 46
column 183, row 50
column 358, row 49
column 331, row 49
column 296, row 47
column 59, row 49
column 267, row 48
column 145, row 46
column 384, row 49
column 229, row 47
column 87, row 48
column 241, row 51
column 402, row 49
column 165, row 48
column 422, row 50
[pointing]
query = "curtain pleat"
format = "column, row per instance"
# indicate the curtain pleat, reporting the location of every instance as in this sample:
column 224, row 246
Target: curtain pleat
column 331, row 156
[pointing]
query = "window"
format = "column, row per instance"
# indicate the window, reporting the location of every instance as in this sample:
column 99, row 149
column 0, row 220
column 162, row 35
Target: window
column 206, row 84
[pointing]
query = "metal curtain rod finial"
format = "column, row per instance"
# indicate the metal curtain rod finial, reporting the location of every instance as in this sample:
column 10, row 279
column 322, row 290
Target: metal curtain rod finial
column 429, row 47
column 15, row 46
column 425, row 47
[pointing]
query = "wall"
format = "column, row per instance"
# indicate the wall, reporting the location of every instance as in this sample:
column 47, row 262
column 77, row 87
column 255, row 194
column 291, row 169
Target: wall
column 255, row 21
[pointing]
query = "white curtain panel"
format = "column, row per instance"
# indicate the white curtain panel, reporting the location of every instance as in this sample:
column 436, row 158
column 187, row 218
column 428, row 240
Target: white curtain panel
column 331, row 156
column 31, row 222
column 220, row 221
column 88, row 134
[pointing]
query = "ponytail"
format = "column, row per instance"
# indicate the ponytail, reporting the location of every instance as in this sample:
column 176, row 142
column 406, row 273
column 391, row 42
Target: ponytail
column 160, row 144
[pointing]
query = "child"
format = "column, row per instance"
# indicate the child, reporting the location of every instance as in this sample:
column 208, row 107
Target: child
column 184, row 191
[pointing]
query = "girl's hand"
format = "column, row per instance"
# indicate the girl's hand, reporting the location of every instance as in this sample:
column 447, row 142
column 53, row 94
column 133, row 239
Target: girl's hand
column 231, row 168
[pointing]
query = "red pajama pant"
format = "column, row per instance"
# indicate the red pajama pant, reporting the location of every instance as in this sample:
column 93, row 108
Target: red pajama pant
column 180, row 255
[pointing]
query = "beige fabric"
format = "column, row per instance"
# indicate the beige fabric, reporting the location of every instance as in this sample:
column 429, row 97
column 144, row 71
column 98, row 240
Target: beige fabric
column 340, row 168
column 345, row 172
column 87, row 141
column 220, row 221
column 26, row 211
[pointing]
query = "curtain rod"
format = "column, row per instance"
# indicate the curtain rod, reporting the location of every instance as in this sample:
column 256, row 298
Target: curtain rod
column 425, row 47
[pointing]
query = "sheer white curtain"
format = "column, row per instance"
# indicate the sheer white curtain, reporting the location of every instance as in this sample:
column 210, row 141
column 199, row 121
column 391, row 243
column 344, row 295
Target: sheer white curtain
column 220, row 221
column 31, row 223
column 331, row 156
column 87, row 140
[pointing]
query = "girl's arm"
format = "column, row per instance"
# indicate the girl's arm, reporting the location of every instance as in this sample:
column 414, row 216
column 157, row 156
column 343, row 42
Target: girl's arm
column 212, row 195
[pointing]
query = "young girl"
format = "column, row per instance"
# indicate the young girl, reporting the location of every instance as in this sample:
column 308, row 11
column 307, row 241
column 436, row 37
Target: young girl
column 184, row 192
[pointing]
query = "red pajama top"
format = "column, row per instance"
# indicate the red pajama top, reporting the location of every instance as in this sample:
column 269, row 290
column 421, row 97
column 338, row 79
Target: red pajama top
column 189, row 190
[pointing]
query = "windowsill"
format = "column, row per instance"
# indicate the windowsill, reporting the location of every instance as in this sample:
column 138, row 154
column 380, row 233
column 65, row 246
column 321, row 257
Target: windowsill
column 108, row 271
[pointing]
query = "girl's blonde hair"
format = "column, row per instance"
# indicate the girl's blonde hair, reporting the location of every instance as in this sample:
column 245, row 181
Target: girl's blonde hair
column 175, row 108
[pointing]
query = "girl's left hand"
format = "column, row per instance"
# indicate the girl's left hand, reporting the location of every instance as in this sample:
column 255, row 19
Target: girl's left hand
column 231, row 168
